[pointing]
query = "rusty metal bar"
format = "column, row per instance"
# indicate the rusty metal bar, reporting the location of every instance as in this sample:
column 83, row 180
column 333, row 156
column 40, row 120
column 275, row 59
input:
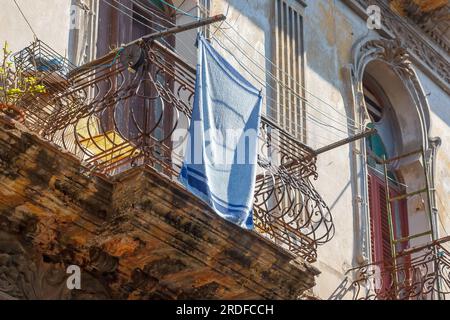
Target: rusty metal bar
column 407, row 195
column 390, row 222
column 424, row 246
column 418, row 235
column 345, row 141
column 404, row 155
column 178, row 29
column 150, row 37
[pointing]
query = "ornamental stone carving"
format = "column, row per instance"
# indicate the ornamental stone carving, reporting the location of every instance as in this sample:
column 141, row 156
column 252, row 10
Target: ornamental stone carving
column 429, row 51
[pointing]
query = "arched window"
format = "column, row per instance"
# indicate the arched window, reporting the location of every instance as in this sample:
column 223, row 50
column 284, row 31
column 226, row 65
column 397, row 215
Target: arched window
column 383, row 145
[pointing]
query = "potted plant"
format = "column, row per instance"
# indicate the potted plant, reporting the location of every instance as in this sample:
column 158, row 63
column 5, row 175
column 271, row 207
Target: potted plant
column 15, row 84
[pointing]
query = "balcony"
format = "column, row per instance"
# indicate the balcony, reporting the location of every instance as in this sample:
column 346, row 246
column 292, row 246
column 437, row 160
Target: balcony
column 132, row 109
column 420, row 273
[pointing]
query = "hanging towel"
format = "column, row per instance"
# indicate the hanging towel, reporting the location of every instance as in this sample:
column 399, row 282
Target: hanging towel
column 221, row 155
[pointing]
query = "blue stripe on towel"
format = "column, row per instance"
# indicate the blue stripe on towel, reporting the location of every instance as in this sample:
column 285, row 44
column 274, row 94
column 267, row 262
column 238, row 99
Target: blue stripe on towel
column 224, row 100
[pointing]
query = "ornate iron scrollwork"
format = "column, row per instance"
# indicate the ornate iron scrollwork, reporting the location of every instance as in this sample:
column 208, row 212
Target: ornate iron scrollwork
column 135, row 110
column 421, row 275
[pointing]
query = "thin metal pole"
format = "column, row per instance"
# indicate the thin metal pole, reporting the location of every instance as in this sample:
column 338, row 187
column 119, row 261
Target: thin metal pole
column 345, row 141
column 427, row 187
column 150, row 37
column 181, row 28
column 432, row 227
column 391, row 225
column 404, row 155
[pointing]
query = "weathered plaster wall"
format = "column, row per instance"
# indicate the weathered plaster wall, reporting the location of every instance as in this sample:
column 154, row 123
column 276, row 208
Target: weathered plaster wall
column 439, row 103
column 328, row 37
column 185, row 41
column 330, row 31
column 49, row 19
column 254, row 21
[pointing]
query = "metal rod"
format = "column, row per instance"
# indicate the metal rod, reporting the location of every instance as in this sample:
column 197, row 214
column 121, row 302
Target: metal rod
column 427, row 187
column 181, row 28
column 412, row 237
column 404, row 155
column 421, row 247
column 152, row 36
column 430, row 215
column 407, row 195
column 345, row 141
column 390, row 224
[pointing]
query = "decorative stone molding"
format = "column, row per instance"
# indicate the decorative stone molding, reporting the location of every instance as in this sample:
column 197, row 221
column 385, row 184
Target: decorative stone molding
column 432, row 16
column 24, row 274
column 428, row 54
column 392, row 53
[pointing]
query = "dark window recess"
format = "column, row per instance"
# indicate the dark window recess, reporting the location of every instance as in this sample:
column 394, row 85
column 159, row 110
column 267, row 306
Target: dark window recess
column 144, row 112
column 374, row 106
column 375, row 111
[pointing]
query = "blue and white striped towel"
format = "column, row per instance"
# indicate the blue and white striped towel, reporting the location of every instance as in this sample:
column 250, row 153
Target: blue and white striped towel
column 220, row 161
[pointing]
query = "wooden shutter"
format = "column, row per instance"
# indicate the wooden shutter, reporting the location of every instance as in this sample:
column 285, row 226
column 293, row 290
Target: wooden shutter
column 380, row 235
column 372, row 209
column 379, row 228
column 379, row 225
column 384, row 225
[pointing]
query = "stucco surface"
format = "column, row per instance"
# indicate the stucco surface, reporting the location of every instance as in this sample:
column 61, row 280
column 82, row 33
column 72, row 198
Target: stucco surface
column 49, row 19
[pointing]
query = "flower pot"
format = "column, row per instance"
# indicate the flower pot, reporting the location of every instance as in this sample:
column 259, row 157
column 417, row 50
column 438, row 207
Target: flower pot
column 13, row 111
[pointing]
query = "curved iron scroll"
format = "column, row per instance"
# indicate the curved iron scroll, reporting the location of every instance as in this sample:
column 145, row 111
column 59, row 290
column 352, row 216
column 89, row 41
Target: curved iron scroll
column 116, row 115
column 422, row 275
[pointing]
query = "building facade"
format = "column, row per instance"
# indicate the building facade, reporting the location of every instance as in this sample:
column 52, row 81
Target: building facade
column 353, row 185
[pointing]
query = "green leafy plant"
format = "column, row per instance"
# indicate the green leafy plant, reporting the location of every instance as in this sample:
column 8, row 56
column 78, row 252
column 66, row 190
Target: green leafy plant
column 15, row 84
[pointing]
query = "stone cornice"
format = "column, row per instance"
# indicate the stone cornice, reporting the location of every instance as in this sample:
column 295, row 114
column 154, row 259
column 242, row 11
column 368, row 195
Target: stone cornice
column 424, row 51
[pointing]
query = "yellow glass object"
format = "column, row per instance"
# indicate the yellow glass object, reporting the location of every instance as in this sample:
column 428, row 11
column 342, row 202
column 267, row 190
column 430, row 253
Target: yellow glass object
column 109, row 147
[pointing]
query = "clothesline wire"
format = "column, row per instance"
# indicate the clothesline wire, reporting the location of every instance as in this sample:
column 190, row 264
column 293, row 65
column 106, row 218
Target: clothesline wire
column 150, row 11
column 178, row 9
column 269, row 106
column 261, row 82
column 345, row 125
column 139, row 14
column 283, row 72
column 307, row 102
column 274, row 77
column 270, row 74
column 26, row 20
column 256, row 78
column 315, row 134
column 144, row 24
column 327, row 139
column 276, row 67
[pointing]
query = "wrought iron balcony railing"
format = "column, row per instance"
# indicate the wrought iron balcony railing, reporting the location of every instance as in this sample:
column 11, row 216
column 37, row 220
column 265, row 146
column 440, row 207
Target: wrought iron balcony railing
column 134, row 108
column 422, row 273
